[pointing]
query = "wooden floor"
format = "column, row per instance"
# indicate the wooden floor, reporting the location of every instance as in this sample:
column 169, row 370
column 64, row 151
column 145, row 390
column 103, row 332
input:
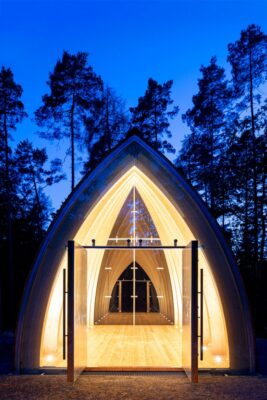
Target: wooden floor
column 117, row 345
column 141, row 318
column 128, row 346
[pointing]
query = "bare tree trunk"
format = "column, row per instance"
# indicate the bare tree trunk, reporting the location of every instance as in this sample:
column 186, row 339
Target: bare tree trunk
column 246, row 203
column 108, row 131
column 212, row 172
column 72, row 143
column 255, row 193
column 223, row 194
column 156, row 130
column 263, row 217
column 10, row 259
column 38, row 204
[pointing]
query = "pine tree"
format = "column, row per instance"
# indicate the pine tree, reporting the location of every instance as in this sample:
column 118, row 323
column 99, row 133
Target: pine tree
column 152, row 115
column 29, row 175
column 248, row 59
column 30, row 165
column 106, row 128
column 201, row 156
column 75, row 94
column 261, row 161
column 11, row 113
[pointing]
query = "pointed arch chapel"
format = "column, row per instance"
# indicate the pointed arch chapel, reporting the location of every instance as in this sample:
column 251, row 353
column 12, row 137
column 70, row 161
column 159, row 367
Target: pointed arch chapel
column 95, row 210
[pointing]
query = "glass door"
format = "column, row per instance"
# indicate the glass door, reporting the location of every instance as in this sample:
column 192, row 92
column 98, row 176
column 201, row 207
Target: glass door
column 190, row 311
column 77, row 310
column 134, row 322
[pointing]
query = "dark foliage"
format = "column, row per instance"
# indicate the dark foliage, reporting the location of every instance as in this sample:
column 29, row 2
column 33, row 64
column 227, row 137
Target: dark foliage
column 74, row 99
column 152, row 115
column 11, row 113
column 224, row 157
column 106, row 128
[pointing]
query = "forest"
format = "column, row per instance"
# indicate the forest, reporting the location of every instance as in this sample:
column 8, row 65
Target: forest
column 223, row 156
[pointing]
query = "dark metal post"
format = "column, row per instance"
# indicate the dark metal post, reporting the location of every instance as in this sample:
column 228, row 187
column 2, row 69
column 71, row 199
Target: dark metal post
column 194, row 311
column 64, row 314
column 120, row 296
column 147, row 296
column 201, row 315
column 70, row 354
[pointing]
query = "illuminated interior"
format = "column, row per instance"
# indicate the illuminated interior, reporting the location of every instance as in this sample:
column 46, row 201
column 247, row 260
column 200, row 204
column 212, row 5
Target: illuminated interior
column 107, row 220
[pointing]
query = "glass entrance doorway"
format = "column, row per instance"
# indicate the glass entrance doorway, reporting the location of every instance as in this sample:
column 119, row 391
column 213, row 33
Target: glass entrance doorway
column 134, row 309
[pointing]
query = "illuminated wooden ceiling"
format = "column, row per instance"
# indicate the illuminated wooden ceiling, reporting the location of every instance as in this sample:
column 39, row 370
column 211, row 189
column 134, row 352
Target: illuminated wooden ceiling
column 118, row 260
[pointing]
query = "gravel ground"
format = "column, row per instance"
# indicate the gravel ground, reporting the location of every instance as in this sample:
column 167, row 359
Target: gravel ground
column 135, row 387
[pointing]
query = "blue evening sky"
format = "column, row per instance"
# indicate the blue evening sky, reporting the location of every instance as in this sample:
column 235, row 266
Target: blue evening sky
column 128, row 42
